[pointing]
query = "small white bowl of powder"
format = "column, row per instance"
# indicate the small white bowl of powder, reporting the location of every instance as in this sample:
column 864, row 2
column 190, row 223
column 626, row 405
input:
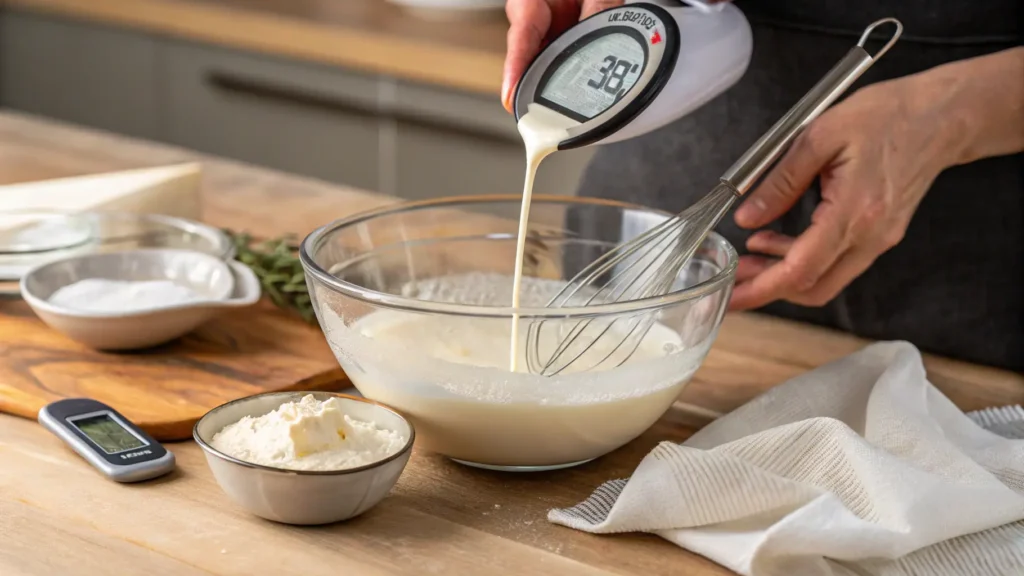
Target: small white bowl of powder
column 308, row 434
column 305, row 457
column 138, row 298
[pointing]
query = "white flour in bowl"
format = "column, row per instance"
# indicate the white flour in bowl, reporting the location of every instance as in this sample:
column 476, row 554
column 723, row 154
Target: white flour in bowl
column 308, row 435
column 102, row 295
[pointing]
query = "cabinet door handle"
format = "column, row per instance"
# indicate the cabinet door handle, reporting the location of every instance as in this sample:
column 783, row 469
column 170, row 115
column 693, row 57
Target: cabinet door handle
column 282, row 94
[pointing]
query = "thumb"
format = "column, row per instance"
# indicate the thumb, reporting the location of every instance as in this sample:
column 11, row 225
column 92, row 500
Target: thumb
column 790, row 178
column 529, row 22
column 591, row 7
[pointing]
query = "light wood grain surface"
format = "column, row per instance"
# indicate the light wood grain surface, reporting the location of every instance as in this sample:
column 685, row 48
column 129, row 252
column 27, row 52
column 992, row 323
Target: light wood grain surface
column 441, row 517
column 368, row 35
column 164, row 390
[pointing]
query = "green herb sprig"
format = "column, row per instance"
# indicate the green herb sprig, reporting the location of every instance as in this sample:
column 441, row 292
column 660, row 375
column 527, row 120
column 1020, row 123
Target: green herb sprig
column 276, row 263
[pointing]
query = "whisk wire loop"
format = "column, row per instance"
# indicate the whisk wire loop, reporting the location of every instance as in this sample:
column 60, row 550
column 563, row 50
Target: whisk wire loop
column 650, row 264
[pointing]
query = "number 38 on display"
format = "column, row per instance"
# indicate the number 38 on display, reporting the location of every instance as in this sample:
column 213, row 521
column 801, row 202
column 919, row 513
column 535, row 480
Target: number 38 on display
column 613, row 73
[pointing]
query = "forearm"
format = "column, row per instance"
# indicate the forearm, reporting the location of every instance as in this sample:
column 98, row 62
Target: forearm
column 984, row 104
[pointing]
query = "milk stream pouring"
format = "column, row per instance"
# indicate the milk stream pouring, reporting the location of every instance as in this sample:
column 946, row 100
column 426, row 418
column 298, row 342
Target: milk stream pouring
column 621, row 73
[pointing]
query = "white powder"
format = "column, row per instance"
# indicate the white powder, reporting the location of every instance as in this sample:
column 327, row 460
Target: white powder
column 102, row 295
column 308, row 435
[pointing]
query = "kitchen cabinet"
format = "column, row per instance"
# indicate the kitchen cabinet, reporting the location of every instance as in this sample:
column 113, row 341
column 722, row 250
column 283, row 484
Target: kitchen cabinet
column 363, row 130
column 469, row 145
column 87, row 74
column 374, row 132
column 305, row 119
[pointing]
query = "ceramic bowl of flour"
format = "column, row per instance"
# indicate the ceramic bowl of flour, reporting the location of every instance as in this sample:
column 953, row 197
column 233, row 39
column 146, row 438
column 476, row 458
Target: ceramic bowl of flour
column 415, row 301
column 136, row 299
column 304, row 497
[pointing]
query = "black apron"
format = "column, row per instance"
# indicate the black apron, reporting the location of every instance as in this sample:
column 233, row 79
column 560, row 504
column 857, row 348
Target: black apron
column 953, row 286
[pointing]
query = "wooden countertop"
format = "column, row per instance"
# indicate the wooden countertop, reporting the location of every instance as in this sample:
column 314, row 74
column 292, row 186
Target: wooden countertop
column 60, row 517
column 368, row 35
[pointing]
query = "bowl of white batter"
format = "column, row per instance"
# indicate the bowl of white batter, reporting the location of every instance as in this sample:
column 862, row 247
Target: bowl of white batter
column 415, row 301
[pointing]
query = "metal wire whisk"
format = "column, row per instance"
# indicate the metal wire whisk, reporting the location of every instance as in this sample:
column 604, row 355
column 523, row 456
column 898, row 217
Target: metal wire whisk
column 650, row 264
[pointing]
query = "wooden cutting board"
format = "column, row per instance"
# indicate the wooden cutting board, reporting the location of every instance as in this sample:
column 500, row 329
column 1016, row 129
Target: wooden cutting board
column 166, row 389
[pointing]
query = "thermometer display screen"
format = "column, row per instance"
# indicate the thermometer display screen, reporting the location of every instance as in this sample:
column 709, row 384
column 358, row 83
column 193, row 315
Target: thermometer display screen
column 595, row 77
column 107, row 433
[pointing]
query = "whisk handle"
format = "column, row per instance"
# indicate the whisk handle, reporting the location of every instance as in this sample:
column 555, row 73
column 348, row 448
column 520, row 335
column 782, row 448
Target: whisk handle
column 742, row 175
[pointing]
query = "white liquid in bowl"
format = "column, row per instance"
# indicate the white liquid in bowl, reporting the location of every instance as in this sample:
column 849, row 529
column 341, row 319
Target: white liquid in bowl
column 450, row 375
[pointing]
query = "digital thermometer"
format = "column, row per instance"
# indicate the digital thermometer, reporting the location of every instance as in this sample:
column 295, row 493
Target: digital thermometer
column 629, row 70
column 107, row 440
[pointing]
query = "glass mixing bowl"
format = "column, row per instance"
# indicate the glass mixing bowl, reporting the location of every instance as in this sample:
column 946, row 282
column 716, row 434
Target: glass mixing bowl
column 415, row 302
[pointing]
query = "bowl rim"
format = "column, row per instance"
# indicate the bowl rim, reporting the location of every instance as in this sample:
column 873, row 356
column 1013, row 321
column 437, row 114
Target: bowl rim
column 216, row 236
column 37, row 302
column 222, row 243
column 22, row 250
column 395, row 302
column 209, row 449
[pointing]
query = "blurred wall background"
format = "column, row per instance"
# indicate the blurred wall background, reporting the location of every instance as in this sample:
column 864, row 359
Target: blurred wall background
column 269, row 82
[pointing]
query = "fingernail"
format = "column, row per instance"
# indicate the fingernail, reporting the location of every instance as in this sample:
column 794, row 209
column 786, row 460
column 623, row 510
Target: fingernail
column 750, row 211
column 504, row 94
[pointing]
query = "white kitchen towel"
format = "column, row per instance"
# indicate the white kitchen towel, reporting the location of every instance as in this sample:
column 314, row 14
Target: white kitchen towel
column 860, row 467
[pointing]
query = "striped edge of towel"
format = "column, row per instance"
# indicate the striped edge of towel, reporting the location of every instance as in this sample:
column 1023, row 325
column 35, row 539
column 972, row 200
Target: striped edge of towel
column 1006, row 421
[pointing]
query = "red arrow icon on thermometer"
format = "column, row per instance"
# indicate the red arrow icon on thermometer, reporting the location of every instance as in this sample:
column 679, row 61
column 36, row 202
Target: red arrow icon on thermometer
column 656, row 37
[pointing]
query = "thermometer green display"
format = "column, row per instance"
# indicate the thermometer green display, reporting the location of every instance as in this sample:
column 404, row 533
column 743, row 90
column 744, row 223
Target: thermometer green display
column 110, row 442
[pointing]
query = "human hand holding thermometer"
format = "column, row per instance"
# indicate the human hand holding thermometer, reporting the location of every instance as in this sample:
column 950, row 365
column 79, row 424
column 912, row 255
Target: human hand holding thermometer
column 625, row 70
column 622, row 72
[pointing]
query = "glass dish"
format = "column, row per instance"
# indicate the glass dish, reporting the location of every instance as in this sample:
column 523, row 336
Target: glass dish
column 381, row 264
column 33, row 232
column 28, row 239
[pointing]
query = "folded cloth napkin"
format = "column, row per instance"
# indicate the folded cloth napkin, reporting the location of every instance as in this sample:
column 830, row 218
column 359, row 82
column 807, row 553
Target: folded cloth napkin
column 860, row 467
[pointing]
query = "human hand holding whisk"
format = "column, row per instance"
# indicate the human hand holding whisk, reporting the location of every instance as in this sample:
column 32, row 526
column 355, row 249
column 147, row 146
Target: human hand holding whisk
column 876, row 155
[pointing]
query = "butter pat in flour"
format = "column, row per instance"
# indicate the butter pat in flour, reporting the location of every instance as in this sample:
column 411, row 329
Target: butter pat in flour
column 308, row 435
